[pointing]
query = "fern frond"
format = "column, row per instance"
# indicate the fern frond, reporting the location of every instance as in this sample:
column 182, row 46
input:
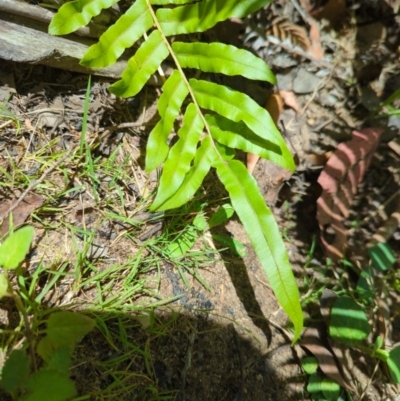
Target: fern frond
column 237, row 136
column 165, row 2
column 205, row 139
column 263, row 232
column 169, row 105
column 141, row 66
column 237, row 106
column 223, row 59
column 194, row 178
column 76, row 14
column 180, row 157
column 203, row 15
column 123, row 34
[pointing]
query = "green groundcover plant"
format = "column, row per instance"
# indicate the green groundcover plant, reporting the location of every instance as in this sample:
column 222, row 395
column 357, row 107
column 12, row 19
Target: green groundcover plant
column 349, row 326
column 20, row 376
column 216, row 119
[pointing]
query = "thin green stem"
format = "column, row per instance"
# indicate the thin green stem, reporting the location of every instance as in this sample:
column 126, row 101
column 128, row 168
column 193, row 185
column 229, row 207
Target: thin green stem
column 28, row 332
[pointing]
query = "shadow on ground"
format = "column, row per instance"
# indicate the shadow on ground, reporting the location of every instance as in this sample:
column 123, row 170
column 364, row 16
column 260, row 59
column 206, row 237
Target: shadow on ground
column 177, row 356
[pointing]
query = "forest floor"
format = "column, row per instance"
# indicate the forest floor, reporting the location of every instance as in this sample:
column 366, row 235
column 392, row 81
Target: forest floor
column 202, row 324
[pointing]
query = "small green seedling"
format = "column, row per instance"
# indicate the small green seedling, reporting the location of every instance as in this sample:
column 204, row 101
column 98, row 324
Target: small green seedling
column 20, row 376
column 319, row 386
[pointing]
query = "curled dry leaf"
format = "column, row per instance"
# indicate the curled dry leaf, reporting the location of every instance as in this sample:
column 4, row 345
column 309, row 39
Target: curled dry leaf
column 290, row 100
column 311, row 340
column 344, row 170
column 315, row 37
column 21, row 213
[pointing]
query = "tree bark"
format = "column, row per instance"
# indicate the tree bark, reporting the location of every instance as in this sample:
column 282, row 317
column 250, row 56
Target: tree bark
column 24, row 39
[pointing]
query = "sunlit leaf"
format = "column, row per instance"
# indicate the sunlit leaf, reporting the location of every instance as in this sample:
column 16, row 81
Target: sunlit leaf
column 382, row 257
column 223, row 59
column 309, row 365
column 237, row 107
column 203, row 15
column 349, row 324
column 15, row 248
column 180, row 158
column 393, row 363
column 123, row 34
column 194, row 177
column 141, row 66
column 169, row 104
column 76, row 14
column 3, row 286
column 264, row 235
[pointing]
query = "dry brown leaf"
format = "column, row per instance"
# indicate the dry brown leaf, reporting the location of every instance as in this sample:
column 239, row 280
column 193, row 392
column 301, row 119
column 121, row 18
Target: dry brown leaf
column 274, row 107
column 317, row 160
column 344, row 170
column 290, row 100
column 312, row 341
column 306, row 4
column 29, row 125
column 276, row 176
column 315, row 37
column 251, row 161
column 334, row 11
column 21, row 213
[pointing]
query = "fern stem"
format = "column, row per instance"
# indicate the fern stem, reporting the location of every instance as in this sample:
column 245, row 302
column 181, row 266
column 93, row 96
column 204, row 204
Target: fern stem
column 183, row 75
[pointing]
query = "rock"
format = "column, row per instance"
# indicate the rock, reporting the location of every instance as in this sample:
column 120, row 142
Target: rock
column 282, row 60
column 305, row 82
column 284, row 81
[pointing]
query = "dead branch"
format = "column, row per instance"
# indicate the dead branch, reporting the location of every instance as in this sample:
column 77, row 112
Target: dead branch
column 24, row 39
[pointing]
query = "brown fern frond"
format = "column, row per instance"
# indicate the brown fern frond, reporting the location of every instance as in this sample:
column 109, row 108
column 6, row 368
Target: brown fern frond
column 282, row 30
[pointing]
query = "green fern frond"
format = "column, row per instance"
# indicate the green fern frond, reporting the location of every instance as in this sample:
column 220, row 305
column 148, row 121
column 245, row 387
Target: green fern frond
column 76, row 14
column 165, row 2
column 123, row 34
column 237, row 107
column 180, row 157
column 237, row 136
column 264, row 235
column 223, row 59
column 193, row 179
column 141, row 66
column 175, row 91
column 203, row 15
column 205, row 140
